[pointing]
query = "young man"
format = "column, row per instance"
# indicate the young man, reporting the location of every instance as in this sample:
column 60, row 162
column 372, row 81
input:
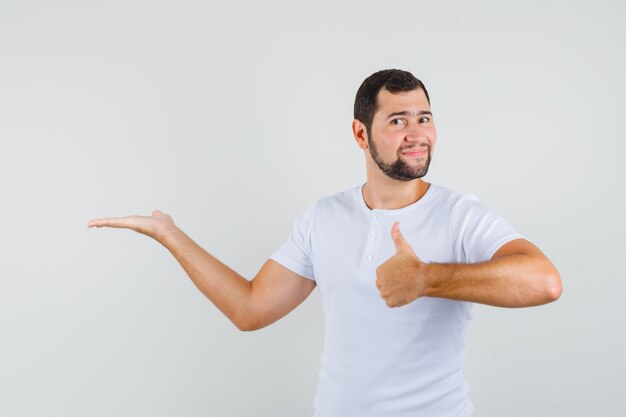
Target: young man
column 397, row 261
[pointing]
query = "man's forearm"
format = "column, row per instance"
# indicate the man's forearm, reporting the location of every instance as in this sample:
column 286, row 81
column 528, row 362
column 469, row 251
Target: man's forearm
column 229, row 291
column 515, row 280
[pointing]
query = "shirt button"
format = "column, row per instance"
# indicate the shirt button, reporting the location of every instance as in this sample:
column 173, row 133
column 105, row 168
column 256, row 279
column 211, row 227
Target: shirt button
column 377, row 216
column 372, row 236
column 369, row 258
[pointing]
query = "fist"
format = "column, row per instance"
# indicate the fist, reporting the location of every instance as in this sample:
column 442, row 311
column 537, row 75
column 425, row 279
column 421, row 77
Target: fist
column 400, row 279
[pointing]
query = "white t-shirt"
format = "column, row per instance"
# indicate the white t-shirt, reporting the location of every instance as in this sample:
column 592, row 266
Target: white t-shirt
column 390, row 362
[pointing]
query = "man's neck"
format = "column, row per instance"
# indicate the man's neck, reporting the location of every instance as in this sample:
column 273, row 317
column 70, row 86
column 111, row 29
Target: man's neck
column 382, row 192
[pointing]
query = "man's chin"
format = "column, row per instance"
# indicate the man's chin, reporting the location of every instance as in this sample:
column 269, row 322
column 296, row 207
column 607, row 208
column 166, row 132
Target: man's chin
column 418, row 171
column 408, row 174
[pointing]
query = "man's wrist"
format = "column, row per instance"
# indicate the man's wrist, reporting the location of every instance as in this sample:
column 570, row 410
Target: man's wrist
column 167, row 233
column 434, row 275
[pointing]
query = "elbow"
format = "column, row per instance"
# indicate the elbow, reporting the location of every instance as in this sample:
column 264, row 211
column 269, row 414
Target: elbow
column 251, row 325
column 248, row 323
column 245, row 325
column 553, row 287
column 247, row 317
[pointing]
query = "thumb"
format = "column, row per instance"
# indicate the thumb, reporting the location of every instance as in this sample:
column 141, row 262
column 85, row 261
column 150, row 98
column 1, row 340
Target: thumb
column 401, row 244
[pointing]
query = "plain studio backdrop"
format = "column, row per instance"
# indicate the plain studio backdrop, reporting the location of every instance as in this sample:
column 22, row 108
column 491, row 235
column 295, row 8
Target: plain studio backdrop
column 234, row 118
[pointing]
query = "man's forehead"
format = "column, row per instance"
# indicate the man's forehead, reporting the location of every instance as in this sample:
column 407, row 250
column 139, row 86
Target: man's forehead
column 413, row 101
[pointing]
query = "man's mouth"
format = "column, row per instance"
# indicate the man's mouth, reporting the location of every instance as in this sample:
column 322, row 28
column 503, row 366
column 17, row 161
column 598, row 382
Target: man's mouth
column 416, row 151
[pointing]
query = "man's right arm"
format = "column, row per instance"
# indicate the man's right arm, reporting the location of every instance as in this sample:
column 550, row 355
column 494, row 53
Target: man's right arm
column 250, row 305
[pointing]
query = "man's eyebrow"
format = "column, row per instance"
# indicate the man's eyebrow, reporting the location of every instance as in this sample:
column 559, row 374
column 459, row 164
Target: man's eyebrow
column 409, row 113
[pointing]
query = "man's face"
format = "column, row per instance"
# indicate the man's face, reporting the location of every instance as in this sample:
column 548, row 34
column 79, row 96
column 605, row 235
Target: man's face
column 402, row 136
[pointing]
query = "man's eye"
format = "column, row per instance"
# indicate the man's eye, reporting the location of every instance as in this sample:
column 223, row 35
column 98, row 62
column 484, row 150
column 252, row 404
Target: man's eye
column 397, row 122
column 424, row 120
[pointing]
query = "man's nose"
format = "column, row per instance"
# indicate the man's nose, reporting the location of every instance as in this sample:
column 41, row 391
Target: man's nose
column 415, row 133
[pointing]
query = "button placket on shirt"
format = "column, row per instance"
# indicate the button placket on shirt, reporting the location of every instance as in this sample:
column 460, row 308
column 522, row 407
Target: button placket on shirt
column 373, row 237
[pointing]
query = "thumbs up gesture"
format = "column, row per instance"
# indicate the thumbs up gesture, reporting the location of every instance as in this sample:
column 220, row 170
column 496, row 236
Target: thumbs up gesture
column 400, row 279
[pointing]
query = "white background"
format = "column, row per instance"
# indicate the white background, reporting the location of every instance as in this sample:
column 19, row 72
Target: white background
column 233, row 118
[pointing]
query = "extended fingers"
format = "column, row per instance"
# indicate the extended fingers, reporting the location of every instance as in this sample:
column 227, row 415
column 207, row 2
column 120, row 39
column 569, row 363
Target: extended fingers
column 110, row 222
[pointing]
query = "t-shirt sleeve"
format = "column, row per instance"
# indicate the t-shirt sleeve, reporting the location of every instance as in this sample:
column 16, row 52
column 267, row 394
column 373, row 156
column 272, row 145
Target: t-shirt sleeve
column 295, row 253
column 476, row 231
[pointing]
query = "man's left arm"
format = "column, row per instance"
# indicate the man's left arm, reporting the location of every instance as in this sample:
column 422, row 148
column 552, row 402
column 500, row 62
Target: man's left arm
column 517, row 275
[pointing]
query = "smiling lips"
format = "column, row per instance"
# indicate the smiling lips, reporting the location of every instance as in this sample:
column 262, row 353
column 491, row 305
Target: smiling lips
column 419, row 151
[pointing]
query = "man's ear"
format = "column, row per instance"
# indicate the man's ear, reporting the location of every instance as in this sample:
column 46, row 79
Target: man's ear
column 360, row 134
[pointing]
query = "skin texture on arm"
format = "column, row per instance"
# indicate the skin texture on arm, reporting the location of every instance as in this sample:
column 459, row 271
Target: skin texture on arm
column 518, row 275
column 250, row 305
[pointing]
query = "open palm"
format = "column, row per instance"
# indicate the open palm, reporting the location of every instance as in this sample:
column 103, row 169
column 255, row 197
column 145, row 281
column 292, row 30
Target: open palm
column 153, row 226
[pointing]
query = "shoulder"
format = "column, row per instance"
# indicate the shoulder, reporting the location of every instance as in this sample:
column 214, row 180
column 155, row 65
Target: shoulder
column 344, row 201
column 453, row 206
column 454, row 199
column 347, row 199
column 446, row 199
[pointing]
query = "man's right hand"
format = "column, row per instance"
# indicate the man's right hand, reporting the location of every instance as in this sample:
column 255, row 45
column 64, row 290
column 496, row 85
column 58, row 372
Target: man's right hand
column 250, row 305
column 154, row 226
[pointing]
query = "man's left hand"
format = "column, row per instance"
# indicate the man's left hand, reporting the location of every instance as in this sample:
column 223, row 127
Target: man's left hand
column 401, row 279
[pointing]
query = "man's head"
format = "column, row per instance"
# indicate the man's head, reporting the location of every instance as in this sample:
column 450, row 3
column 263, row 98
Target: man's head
column 392, row 80
column 393, row 120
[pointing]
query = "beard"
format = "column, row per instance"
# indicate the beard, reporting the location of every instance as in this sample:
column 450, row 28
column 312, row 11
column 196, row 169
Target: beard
column 399, row 169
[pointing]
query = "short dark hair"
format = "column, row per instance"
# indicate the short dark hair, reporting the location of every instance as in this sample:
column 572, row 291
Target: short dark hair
column 393, row 80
